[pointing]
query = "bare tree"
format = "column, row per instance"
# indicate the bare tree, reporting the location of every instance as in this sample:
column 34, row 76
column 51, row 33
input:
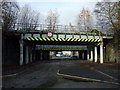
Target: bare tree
column 106, row 15
column 117, row 22
column 9, row 14
column 28, row 18
column 84, row 20
column 52, row 20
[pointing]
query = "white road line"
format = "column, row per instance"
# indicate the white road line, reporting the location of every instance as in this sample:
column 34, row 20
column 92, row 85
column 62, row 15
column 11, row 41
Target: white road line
column 9, row 75
column 83, row 78
column 104, row 74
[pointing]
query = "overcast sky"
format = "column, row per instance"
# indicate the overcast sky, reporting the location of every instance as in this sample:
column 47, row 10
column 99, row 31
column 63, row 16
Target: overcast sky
column 67, row 9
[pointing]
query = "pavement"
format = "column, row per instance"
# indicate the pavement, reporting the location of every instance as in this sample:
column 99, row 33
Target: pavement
column 49, row 74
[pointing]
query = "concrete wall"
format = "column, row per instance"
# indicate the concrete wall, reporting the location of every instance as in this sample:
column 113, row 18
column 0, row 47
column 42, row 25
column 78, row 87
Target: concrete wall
column 46, row 55
column 10, row 50
column 112, row 51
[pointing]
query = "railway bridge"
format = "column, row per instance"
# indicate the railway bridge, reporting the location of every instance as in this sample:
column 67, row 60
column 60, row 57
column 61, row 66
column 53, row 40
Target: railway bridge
column 39, row 41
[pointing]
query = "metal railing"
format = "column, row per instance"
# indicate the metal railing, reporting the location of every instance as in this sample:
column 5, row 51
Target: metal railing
column 47, row 27
column 55, row 29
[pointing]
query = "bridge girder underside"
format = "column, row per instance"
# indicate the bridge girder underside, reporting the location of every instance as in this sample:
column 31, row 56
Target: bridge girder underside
column 65, row 43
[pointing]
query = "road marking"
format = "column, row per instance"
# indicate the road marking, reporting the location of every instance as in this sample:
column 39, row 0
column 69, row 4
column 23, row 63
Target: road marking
column 83, row 78
column 104, row 74
column 9, row 75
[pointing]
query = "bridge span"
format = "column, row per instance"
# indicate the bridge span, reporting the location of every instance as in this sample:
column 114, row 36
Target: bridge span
column 45, row 39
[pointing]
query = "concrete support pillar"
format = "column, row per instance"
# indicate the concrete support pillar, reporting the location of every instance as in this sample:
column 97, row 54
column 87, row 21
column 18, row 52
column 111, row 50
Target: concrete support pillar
column 31, row 55
column 91, row 54
column 41, row 55
column 73, row 53
column 27, row 55
column 104, row 52
column 101, row 53
column 88, row 54
column 80, row 56
column 34, row 53
column 83, row 55
column 45, row 55
column 21, row 50
column 95, row 53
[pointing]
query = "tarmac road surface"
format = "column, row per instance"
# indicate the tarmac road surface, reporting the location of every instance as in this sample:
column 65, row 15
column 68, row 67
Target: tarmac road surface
column 43, row 74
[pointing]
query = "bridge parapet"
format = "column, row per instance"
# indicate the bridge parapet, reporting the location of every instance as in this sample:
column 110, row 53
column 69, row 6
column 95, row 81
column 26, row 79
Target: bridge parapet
column 43, row 28
column 37, row 28
column 64, row 32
